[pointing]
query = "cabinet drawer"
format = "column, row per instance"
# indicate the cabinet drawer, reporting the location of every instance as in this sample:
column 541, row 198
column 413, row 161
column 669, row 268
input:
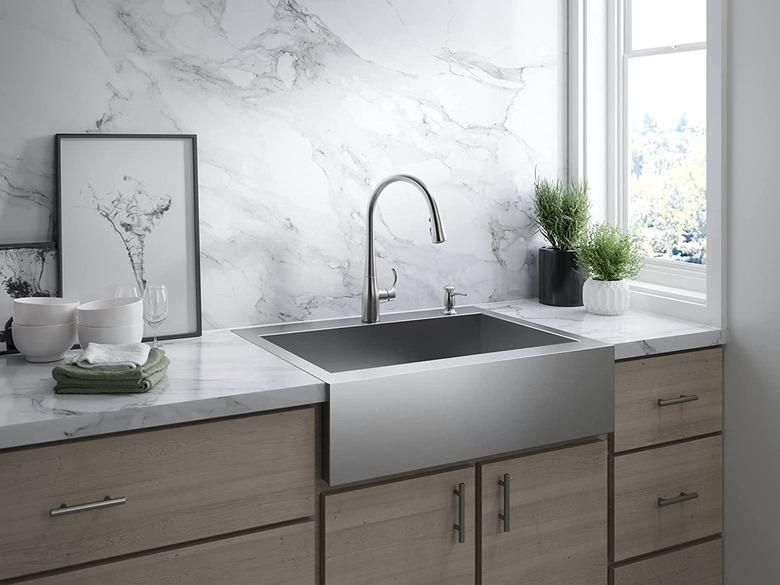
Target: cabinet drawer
column 642, row 522
column 180, row 484
column 699, row 564
column 282, row 556
column 689, row 388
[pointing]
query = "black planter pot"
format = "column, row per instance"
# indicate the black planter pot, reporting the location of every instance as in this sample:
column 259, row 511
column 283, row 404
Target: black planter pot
column 560, row 283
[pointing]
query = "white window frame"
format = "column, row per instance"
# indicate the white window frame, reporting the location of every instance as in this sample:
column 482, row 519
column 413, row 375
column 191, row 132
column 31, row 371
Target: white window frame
column 596, row 135
column 657, row 271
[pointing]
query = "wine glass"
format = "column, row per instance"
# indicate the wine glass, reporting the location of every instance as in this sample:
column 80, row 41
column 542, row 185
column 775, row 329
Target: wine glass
column 125, row 291
column 155, row 307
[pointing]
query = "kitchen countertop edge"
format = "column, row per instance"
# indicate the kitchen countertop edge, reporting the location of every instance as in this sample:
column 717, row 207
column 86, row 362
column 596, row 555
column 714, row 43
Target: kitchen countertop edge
column 221, row 375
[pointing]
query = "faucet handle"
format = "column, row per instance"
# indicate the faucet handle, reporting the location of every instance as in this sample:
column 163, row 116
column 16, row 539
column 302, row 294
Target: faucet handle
column 388, row 294
column 449, row 299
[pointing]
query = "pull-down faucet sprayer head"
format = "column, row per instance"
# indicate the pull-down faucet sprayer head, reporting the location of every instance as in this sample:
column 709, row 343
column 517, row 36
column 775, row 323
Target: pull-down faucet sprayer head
column 437, row 229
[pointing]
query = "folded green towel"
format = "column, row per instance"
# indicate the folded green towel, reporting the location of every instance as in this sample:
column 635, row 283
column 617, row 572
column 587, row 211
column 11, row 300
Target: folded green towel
column 72, row 379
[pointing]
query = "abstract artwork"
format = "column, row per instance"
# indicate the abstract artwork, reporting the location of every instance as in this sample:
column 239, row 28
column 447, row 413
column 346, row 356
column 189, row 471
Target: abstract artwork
column 26, row 270
column 128, row 216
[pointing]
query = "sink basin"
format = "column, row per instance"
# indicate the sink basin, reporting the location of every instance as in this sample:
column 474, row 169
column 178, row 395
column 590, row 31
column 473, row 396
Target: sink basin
column 404, row 342
column 420, row 389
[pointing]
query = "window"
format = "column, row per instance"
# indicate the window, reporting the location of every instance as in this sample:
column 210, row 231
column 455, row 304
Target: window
column 662, row 136
column 647, row 132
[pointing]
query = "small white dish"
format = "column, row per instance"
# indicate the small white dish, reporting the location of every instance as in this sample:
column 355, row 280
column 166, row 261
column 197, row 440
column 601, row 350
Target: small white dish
column 44, row 311
column 116, row 335
column 112, row 312
column 44, row 343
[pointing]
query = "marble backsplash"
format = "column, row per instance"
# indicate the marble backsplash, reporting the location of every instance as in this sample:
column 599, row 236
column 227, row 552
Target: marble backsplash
column 301, row 107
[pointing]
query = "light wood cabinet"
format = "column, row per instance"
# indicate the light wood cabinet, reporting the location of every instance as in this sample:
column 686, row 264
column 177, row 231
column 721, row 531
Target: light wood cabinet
column 281, row 556
column 401, row 533
column 198, row 497
column 180, row 483
column 558, row 518
column 666, row 470
column 667, row 398
column 698, row 564
column 667, row 496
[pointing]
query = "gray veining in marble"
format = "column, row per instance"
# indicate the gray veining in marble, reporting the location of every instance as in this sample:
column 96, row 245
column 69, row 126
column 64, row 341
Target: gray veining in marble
column 634, row 334
column 217, row 375
column 301, row 106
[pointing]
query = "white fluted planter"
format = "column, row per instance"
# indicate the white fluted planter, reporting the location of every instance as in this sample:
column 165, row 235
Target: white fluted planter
column 606, row 297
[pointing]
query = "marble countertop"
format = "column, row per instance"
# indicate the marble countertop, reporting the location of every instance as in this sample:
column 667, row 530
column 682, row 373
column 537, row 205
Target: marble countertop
column 221, row 374
column 216, row 375
column 634, row 334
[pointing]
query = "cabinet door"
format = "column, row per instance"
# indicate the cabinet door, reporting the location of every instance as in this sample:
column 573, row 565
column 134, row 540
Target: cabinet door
column 402, row 533
column 556, row 507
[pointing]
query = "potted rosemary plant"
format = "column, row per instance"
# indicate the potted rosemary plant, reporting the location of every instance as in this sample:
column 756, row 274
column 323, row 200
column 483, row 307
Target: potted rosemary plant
column 610, row 258
column 561, row 213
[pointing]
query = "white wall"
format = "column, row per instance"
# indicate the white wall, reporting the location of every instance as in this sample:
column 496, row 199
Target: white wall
column 300, row 107
column 752, row 368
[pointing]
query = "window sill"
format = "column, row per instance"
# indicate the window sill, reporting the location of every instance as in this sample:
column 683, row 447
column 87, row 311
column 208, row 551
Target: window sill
column 666, row 300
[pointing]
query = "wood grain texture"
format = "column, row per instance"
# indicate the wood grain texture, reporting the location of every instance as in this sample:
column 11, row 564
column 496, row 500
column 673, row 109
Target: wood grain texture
column 640, row 525
column 400, row 533
column 181, row 484
column 699, row 564
column 640, row 422
column 558, row 529
column 281, row 556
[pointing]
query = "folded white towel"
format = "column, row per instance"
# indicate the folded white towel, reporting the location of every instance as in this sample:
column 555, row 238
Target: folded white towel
column 112, row 357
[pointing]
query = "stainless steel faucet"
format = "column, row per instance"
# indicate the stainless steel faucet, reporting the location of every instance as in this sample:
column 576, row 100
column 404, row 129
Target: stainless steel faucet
column 372, row 296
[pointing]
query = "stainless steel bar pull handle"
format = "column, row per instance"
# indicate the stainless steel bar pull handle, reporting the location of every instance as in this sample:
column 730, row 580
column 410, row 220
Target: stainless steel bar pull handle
column 460, row 527
column 683, row 497
column 106, row 502
column 504, row 516
column 682, row 399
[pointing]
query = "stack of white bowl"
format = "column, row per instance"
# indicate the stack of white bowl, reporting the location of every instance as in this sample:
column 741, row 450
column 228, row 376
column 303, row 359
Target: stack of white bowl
column 44, row 328
column 118, row 320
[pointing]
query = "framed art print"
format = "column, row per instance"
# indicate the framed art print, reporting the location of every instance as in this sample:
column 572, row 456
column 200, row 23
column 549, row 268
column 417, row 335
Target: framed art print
column 26, row 270
column 128, row 216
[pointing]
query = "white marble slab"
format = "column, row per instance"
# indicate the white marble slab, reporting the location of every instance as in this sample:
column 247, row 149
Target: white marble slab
column 634, row 334
column 217, row 375
column 300, row 107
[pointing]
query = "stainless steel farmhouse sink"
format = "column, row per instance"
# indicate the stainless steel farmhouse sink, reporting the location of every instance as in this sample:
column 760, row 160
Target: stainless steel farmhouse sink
column 404, row 342
column 421, row 389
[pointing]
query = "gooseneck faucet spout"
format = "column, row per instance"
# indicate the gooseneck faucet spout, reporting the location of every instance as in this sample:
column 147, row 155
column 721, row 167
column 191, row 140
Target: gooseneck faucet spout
column 372, row 296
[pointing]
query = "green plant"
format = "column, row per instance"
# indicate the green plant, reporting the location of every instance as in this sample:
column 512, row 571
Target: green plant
column 561, row 212
column 608, row 253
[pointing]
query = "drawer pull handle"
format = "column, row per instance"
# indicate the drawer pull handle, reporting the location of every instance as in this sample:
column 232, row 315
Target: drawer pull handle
column 682, row 399
column 683, row 497
column 106, row 502
column 504, row 483
column 460, row 527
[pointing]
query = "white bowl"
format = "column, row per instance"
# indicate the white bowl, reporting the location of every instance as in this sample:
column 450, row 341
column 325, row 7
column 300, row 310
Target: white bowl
column 44, row 311
column 44, row 343
column 112, row 312
column 121, row 334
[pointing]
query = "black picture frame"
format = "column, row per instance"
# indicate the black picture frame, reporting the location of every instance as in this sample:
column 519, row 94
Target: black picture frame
column 58, row 142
